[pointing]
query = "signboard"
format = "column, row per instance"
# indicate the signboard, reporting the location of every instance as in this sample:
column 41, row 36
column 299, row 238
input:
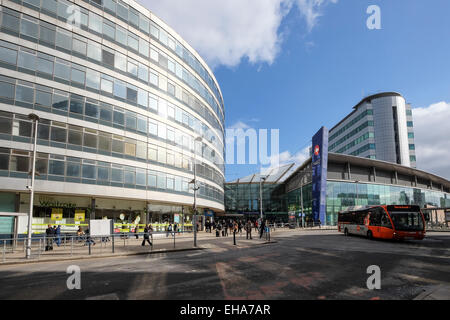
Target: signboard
column 176, row 218
column 319, row 174
column 80, row 215
column 209, row 213
column 100, row 227
column 57, row 214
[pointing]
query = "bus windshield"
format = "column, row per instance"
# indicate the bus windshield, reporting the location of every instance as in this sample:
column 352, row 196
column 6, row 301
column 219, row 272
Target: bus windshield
column 407, row 221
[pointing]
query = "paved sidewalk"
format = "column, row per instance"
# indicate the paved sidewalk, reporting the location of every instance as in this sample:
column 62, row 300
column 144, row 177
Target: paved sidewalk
column 127, row 246
column 440, row 292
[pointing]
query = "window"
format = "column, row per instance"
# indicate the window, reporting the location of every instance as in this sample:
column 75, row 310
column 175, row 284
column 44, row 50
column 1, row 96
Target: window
column 90, row 138
column 62, row 70
column 130, row 121
column 154, row 79
column 410, row 135
column 56, row 167
column 142, row 73
column 29, row 27
column 130, row 176
column 132, row 94
column 92, row 79
column 73, row 169
column 122, row 11
column 121, row 35
column 141, row 150
column 153, row 153
column 106, row 85
column 7, row 90
column 132, row 68
column 143, row 47
column 103, row 173
column 152, row 128
column 58, row 134
column 95, row 22
column 9, row 21
column 27, row 60
column 79, row 46
column 141, row 177
column 410, row 124
column 142, row 98
column 89, row 171
column 412, row 147
column 118, row 145
column 154, row 54
column 151, row 180
column 120, row 89
column 104, row 142
column 78, row 76
column 106, row 113
column 77, row 105
column 153, row 103
column 8, row 55
column 75, row 136
column 144, row 24
column 94, row 51
column 133, row 42
column 108, row 58
column 91, row 110
column 119, row 117
column 412, row 158
column 25, row 94
column 171, row 89
column 109, row 30
column 44, row 66
column 142, row 124
column 130, row 147
column 117, row 175
column 64, row 39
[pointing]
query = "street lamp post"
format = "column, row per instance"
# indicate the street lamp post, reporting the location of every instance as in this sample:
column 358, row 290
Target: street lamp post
column 35, row 119
column 194, row 182
column 261, row 179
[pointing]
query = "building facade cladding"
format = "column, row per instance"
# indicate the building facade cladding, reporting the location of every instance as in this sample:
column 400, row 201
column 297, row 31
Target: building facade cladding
column 380, row 128
column 121, row 100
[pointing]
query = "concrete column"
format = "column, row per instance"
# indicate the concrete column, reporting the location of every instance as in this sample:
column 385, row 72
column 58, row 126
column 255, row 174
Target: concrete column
column 92, row 209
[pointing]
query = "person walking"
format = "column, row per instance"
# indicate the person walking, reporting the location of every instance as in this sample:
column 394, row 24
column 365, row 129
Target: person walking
column 249, row 228
column 225, row 229
column 169, row 230
column 89, row 240
column 58, row 236
column 262, row 229
column 147, row 231
column 136, row 231
column 49, row 235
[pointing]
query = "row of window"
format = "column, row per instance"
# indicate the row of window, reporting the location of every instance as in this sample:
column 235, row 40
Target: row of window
column 43, row 98
column 352, row 133
column 17, row 163
column 61, row 70
column 368, row 112
column 94, row 23
column 61, row 135
column 355, row 142
column 367, row 147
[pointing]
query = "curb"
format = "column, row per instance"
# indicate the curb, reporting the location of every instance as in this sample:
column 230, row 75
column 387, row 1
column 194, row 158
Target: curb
column 99, row 257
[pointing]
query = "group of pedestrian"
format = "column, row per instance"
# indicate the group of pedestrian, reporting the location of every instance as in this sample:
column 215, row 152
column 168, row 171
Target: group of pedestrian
column 225, row 227
column 53, row 234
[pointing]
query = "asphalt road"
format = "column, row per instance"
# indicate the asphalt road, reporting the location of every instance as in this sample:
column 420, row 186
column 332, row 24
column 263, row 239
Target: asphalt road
column 306, row 265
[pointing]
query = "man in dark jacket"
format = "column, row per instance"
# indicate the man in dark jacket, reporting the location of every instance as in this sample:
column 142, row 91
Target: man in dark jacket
column 49, row 234
column 147, row 231
column 263, row 227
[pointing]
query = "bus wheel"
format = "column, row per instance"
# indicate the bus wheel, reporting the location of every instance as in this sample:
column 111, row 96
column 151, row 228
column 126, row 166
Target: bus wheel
column 369, row 235
column 346, row 232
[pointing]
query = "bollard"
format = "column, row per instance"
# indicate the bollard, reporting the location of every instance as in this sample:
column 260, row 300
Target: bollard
column 234, row 237
column 40, row 249
column 113, row 243
column 71, row 248
column 65, row 239
column 4, row 250
column 174, row 239
column 89, row 247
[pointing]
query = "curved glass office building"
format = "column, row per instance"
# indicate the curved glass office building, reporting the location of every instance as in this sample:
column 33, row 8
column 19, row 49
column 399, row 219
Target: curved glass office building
column 126, row 109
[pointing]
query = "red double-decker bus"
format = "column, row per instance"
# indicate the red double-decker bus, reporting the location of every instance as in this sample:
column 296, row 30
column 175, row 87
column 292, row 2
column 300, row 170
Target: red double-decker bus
column 384, row 222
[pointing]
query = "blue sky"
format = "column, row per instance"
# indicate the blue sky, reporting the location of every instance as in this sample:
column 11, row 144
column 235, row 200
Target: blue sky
column 319, row 59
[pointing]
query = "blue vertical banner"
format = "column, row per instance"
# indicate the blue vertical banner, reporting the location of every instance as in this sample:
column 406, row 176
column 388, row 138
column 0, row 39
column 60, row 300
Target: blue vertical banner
column 319, row 175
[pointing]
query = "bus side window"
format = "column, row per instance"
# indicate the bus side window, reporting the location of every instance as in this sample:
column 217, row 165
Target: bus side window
column 375, row 217
column 385, row 222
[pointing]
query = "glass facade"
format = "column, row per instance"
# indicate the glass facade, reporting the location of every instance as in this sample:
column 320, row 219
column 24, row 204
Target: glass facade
column 244, row 198
column 121, row 102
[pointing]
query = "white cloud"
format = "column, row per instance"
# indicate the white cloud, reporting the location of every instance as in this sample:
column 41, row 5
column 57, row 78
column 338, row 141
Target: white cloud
column 311, row 10
column 286, row 157
column 432, row 138
column 225, row 32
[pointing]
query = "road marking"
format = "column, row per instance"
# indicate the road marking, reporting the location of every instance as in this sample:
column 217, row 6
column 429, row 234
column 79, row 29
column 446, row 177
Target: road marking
column 109, row 296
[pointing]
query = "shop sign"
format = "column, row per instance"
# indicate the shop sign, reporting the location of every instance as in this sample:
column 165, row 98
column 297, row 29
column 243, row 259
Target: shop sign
column 80, row 215
column 57, row 214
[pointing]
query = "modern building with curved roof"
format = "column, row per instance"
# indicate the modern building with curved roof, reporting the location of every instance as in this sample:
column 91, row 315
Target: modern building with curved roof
column 126, row 109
